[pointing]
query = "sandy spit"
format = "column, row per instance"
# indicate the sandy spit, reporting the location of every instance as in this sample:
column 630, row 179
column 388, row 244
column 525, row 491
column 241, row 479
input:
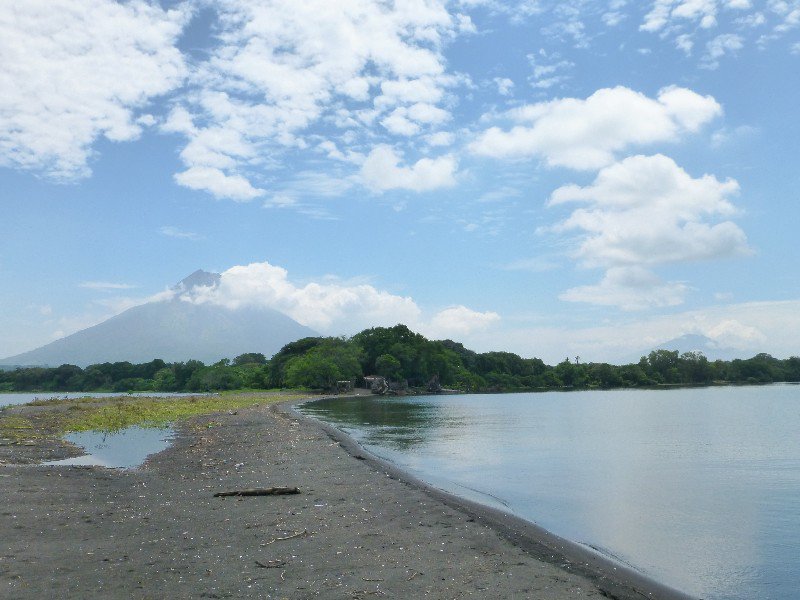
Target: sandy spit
column 358, row 529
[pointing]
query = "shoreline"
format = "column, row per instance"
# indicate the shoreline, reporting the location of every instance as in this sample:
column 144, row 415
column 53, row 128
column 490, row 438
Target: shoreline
column 357, row 529
column 613, row 577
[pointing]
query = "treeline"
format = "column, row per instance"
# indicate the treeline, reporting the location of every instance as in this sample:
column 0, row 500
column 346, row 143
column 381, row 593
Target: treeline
column 403, row 357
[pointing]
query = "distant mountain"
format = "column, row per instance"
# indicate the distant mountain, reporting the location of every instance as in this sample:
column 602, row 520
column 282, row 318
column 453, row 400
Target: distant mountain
column 173, row 330
column 692, row 342
column 695, row 342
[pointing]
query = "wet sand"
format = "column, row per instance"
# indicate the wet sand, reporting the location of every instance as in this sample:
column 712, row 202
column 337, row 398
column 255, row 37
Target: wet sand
column 358, row 529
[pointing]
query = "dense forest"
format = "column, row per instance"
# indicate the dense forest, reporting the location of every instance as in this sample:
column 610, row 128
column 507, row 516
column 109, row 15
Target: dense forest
column 403, row 357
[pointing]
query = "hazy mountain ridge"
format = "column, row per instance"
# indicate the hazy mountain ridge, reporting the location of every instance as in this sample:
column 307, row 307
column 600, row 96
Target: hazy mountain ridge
column 695, row 342
column 173, row 330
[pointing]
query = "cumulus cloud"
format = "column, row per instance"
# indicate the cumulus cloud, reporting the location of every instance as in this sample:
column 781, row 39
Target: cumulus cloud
column 647, row 210
column 73, row 75
column 327, row 307
column 282, row 67
column 460, row 321
column 218, row 183
column 332, row 307
column 643, row 212
column 587, row 134
column 730, row 333
column 382, row 171
column 629, row 288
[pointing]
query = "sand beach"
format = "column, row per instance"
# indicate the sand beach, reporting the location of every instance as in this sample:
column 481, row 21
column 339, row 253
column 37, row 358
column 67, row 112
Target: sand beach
column 358, row 528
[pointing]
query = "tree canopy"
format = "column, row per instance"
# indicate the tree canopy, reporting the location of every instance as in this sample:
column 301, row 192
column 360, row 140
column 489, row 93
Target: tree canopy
column 400, row 355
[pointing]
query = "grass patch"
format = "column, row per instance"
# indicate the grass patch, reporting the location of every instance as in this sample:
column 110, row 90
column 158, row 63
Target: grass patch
column 54, row 419
column 16, row 429
column 159, row 412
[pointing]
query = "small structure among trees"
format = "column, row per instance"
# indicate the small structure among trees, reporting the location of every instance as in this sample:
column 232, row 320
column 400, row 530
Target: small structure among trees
column 344, row 387
column 377, row 384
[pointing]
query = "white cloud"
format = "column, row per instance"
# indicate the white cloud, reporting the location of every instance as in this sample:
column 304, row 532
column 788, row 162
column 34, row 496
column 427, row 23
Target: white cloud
column 629, row 288
column 331, row 306
column 104, row 285
column 789, row 13
column 280, row 201
column 686, row 20
column 753, row 327
column 586, row 134
column 643, row 212
column 720, row 46
column 460, row 321
column 505, row 86
column 755, row 19
column 440, row 138
column 730, row 333
column 398, row 124
column 382, row 171
column 175, row 232
column 666, row 11
column 613, row 18
column 284, row 201
column 282, row 67
column 328, row 307
column 646, row 210
column 548, row 69
column 71, row 75
column 684, row 42
column 219, row 184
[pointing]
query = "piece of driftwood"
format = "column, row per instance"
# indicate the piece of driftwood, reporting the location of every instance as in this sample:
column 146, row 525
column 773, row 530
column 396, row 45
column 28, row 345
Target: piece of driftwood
column 272, row 564
column 271, row 491
column 303, row 533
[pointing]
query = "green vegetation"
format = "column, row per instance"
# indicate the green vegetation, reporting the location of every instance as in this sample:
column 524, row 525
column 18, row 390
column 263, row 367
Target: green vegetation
column 58, row 417
column 401, row 356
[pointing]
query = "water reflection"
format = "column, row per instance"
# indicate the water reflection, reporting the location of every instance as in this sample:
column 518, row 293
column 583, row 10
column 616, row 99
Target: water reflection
column 125, row 449
column 699, row 488
column 396, row 423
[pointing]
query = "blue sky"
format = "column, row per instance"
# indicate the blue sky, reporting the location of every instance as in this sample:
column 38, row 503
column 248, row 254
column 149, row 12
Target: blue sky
column 567, row 178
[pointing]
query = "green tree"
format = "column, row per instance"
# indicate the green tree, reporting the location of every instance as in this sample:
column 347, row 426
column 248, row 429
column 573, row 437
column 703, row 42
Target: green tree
column 250, row 358
column 388, row 366
column 165, row 381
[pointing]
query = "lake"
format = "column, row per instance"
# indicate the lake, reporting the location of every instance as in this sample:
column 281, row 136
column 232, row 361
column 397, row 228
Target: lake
column 698, row 488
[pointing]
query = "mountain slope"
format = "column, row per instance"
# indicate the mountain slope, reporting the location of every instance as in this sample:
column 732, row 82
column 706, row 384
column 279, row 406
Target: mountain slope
column 694, row 342
column 172, row 330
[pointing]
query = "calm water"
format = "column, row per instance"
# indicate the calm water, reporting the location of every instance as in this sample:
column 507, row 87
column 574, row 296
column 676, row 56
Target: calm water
column 123, row 449
column 699, row 488
column 14, row 398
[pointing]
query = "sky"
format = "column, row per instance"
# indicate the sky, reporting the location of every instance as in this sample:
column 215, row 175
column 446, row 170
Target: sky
column 554, row 178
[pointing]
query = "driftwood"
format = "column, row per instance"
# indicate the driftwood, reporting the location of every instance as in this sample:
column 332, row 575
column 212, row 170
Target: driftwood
column 303, row 534
column 272, row 491
column 272, row 564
